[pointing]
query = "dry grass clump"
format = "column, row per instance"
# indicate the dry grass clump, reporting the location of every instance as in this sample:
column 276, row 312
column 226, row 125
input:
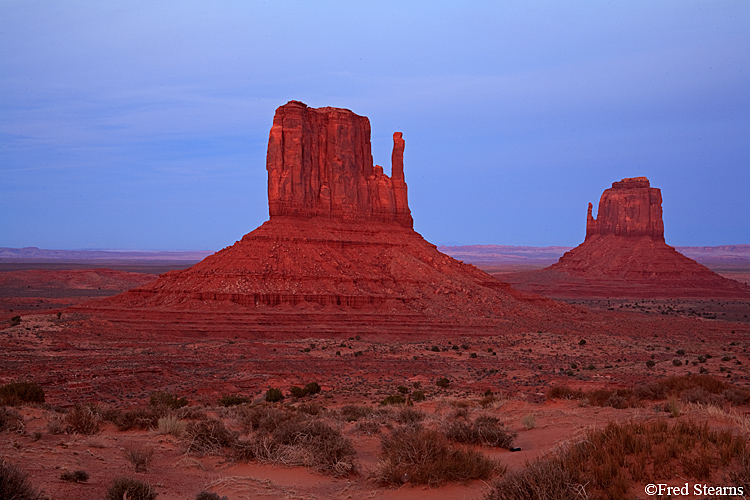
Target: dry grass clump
column 17, row 393
column 138, row 418
column 164, row 399
column 409, row 416
column 130, row 489
column 208, row 436
column 484, row 430
column 424, row 456
column 302, row 441
column 614, row 462
column 139, row 456
column 10, row 420
column 352, row 413
column 14, row 485
column 264, row 417
column 171, row 425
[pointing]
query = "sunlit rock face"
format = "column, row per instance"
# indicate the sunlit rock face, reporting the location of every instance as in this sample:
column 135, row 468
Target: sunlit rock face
column 320, row 163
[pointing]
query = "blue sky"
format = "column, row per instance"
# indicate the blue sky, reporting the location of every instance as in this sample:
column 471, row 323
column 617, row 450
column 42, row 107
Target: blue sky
column 144, row 125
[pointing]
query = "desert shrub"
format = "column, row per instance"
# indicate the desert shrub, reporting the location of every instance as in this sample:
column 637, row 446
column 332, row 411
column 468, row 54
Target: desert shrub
column 208, row 436
column 544, row 478
column 418, row 395
column 10, row 420
column 233, row 400
column 650, row 363
column 132, row 489
column 394, row 399
column 352, row 413
column 484, row 430
column 402, row 389
column 14, row 484
column 164, row 399
column 297, row 392
column 312, row 388
column 204, row 495
column 702, row 396
column 139, row 456
column 367, row 426
column 274, row 395
column 77, row 476
column 16, row 393
column 311, row 409
column 263, row 417
column 443, row 383
column 171, row 425
column 421, row 456
column 563, row 392
column 409, row 416
column 736, row 396
column 139, row 418
column 82, row 419
column 310, row 443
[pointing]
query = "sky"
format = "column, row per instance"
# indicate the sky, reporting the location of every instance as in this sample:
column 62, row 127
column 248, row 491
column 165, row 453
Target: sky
column 144, row 124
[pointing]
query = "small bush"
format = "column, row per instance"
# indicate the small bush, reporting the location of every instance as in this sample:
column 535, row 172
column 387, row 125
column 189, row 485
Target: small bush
column 208, row 436
column 78, row 476
column 82, row 419
column 274, row 395
column 263, row 417
column 650, row 363
column 14, row 484
column 484, row 430
column 312, row 388
column 544, row 478
column 164, row 399
column 132, row 489
column 443, row 383
column 139, row 418
column 140, row 457
column 10, row 420
column 410, row 416
column 233, row 400
column 395, row 399
column 418, row 396
column 421, row 456
column 16, row 393
column 352, row 413
column 297, row 392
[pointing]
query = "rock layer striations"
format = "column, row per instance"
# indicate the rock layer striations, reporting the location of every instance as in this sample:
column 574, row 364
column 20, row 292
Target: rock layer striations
column 320, row 164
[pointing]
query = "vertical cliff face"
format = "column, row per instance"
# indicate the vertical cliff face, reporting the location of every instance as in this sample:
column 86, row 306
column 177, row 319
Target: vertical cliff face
column 631, row 207
column 320, row 163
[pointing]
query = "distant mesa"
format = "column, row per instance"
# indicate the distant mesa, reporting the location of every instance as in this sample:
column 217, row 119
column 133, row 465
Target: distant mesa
column 338, row 252
column 624, row 254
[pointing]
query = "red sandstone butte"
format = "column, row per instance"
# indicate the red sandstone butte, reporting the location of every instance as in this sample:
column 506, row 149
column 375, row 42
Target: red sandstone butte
column 625, row 255
column 320, row 164
column 338, row 254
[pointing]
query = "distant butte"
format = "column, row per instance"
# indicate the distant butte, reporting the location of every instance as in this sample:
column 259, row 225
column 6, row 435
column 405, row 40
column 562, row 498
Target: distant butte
column 338, row 254
column 624, row 254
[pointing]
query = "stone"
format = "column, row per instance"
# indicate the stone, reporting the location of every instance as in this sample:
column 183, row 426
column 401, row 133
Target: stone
column 631, row 207
column 320, row 164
